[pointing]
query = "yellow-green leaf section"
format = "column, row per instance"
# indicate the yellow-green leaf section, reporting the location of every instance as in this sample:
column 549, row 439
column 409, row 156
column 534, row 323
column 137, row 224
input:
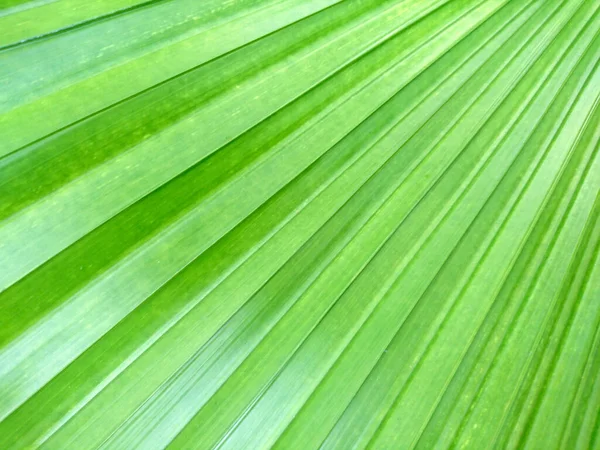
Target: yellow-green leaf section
column 300, row 224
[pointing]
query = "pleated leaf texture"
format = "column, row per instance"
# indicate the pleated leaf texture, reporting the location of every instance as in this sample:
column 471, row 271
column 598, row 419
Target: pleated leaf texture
column 300, row 224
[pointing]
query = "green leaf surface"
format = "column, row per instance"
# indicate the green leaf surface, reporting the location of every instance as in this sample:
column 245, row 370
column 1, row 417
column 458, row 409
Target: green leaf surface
column 298, row 224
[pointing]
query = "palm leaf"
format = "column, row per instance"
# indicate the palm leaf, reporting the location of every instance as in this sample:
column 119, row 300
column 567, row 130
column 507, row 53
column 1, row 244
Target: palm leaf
column 300, row 224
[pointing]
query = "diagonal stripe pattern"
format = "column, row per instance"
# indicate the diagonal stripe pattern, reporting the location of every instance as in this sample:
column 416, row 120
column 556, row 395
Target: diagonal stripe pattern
column 299, row 224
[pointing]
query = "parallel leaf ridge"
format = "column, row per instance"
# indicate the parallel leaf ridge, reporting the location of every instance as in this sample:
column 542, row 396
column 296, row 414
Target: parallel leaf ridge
column 300, row 224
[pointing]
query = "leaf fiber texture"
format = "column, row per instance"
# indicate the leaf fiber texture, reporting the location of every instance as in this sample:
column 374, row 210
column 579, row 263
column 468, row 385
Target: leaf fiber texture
column 298, row 224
